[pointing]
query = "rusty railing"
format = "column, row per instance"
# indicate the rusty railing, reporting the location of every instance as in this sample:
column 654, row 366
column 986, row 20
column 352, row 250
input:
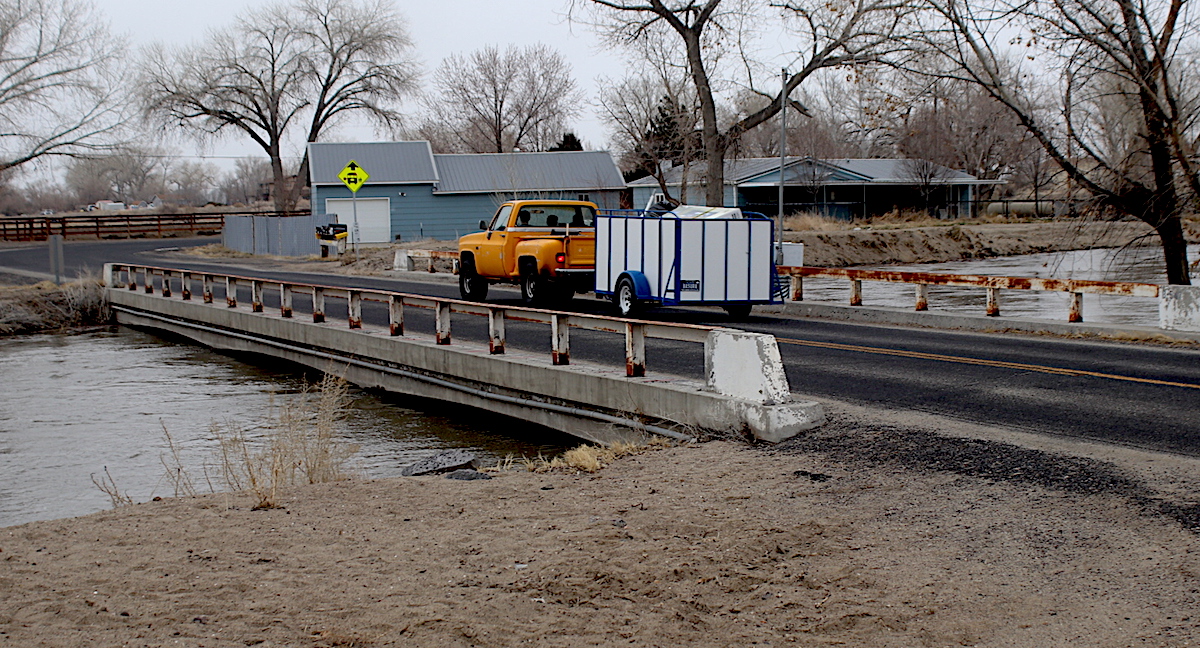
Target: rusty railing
column 635, row 331
column 922, row 281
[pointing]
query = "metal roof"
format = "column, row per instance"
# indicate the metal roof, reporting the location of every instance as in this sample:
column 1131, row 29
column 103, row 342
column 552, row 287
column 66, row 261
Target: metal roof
column 386, row 162
column 765, row 171
column 501, row 172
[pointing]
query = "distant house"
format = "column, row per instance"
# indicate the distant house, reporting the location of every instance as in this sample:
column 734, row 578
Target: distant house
column 413, row 193
column 839, row 188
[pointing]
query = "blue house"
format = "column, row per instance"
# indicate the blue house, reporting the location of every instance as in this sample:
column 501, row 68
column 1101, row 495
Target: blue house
column 841, row 188
column 413, row 193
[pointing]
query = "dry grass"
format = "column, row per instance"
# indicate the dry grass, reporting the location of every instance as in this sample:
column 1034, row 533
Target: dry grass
column 216, row 251
column 108, row 486
column 49, row 307
column 300, row 446
column 895, row 219
column 585, row 458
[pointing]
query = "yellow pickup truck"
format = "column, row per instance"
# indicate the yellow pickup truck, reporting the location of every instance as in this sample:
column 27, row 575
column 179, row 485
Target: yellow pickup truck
column 546, row 246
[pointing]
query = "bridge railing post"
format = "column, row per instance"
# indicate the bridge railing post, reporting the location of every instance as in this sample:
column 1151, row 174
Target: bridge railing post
column 318, row 304
column 560, row 333
column 797, row 287
column 206, row 287
column 185, row 285
column 148, row 277
column 354, row 310
column 166, row 283
column 856, row 292
column 442, row 327
column 285, row 300
column 231, row 292
column 993, row 302
column 635, row 350
column 1076, row 313
column 396, row 315
column 496, row 331
column 922, row 297
column 131, row 278
column 256, row 296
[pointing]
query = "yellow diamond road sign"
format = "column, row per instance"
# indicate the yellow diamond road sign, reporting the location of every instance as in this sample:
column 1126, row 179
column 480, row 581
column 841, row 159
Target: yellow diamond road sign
column 354, row 176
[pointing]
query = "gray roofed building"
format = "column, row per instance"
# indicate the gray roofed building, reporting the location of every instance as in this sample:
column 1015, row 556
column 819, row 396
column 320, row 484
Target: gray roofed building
column 385, row 162
column 507, row 172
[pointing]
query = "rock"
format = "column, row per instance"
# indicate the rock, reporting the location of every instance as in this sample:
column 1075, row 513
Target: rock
column 467, row 474
column 441, row 462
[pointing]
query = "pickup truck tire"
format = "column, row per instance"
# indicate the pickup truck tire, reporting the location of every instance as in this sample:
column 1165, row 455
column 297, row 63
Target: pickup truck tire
column 471, row 286
column 625, row 297
column 535, row 289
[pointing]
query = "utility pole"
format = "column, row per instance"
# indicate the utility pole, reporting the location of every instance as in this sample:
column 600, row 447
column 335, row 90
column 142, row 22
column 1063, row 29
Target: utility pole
column 782, row 161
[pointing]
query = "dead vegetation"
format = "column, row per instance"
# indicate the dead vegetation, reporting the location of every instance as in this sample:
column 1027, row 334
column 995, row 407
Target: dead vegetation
column 585, row 458
column 48, row 307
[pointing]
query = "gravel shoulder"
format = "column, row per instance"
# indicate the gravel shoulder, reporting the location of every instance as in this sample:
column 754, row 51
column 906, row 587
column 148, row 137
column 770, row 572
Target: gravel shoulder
column 878, row 529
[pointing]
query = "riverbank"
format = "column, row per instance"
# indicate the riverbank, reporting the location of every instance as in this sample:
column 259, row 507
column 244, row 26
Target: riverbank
column 957, row 242
column 874, row 530
column 46, row 307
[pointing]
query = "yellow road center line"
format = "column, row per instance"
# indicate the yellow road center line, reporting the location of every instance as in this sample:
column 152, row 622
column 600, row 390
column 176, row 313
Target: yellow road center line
column 978, row 361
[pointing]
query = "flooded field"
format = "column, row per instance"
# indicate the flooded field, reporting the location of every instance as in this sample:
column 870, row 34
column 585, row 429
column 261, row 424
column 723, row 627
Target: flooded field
column 77, row 404
column 1133, row 264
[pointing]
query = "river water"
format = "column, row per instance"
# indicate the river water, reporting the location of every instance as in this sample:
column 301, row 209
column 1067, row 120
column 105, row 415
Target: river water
column 74, row 405
column 1142, row 264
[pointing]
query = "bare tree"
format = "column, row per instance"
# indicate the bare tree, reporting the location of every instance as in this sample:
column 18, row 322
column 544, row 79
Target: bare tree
column 59, row 91
column 244, row 184
column 1122, row 124
column 312, row 61
column 837, row 33
column 493, row 101
column 128, row 175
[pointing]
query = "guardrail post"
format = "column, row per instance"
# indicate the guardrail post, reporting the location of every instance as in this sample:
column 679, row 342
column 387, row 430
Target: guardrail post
column 496, row 331
column 185, row 285
column 922, row 297
column 231, row 292
column 166, row 283
column 206, row 288
column 797, row 287
column 354, row 310
column 560, row 332
column 148, row 275
column 442, row 326
column 256, row 296
column 132, row 274
column 856, row 292
column 635, row 350
column 285, row 300
column 993, row 302
column 318, row 308
column 1076, row 314
column 396, row 315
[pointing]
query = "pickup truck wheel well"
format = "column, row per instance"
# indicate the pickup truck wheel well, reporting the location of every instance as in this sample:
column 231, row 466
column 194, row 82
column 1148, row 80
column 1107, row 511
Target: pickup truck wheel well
column 466, row 261
column 527, row 265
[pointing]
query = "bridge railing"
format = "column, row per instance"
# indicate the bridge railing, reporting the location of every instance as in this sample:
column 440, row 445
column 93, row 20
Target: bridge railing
column 765, row 381
column 922, row 280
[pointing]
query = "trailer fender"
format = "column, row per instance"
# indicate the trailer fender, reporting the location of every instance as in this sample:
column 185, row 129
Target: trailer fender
column 640, row 284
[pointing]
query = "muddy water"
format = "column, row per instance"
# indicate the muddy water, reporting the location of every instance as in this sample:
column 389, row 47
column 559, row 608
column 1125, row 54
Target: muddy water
column 73, row 405
column 1136, row 264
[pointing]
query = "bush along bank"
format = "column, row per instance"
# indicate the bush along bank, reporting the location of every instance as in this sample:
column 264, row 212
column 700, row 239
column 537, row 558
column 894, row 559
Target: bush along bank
column 47, row 307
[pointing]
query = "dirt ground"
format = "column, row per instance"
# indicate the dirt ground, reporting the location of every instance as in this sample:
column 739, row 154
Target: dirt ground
column 876, row 530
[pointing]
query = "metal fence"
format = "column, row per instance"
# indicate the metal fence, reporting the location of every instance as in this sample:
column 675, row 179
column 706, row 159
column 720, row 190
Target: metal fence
column 289, row 234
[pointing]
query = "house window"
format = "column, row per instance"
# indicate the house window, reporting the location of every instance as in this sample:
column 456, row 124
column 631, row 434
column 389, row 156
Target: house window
column 584, row 197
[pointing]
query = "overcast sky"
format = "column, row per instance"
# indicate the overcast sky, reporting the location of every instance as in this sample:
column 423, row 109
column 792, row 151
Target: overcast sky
column 438, row 29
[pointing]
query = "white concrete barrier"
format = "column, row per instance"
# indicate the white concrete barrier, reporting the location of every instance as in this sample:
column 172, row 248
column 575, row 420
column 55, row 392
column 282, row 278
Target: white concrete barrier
column 1179, row 308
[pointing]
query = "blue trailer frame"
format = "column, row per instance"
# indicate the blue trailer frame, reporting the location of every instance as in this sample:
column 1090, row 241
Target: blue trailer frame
column 663, row 282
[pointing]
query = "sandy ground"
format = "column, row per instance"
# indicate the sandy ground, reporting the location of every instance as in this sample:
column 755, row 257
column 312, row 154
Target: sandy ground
column 872, row 531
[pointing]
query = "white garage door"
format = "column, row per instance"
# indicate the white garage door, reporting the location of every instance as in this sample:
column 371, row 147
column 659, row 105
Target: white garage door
column 374, row 217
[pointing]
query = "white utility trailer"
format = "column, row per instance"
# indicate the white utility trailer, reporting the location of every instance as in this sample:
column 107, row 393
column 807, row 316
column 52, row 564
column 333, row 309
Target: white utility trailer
column 713, row 258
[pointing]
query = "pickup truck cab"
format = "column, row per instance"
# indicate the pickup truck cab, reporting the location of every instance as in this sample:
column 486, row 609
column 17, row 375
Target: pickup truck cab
column 548, row 247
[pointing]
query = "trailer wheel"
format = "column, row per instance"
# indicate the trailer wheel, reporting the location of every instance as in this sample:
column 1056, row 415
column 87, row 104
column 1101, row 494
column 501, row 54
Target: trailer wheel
column 626, row 298
column 738, row 311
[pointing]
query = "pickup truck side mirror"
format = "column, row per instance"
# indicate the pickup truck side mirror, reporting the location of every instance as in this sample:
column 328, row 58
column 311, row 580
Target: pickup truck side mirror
column 483, row 225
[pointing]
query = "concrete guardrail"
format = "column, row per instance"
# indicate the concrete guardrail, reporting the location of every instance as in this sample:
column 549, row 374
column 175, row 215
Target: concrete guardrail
column 745, row 387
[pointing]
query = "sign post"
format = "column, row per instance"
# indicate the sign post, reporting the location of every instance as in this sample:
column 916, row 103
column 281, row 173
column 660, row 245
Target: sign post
column 354, row 177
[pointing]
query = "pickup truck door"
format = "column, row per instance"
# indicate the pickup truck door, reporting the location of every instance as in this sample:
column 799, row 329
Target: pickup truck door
column 489, row 260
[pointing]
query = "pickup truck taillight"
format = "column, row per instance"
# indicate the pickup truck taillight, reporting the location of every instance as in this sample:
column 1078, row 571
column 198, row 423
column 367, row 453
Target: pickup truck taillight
column 561, row 257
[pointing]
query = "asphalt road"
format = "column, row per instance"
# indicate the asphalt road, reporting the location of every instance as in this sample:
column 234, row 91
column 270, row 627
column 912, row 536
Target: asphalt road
column 1137, row 395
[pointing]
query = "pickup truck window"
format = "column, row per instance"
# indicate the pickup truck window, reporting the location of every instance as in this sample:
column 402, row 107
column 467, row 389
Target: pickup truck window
column 555, row 216
column 500, row 222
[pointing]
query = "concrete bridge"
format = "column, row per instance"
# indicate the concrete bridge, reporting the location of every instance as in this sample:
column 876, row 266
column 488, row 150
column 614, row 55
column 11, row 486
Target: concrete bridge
column 745, row 390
